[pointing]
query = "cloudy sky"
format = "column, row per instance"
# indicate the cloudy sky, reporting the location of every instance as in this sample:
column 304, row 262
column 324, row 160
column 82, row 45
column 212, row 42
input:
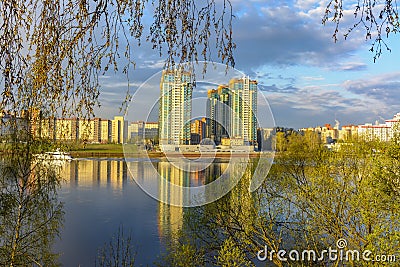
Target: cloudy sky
column 306, row 77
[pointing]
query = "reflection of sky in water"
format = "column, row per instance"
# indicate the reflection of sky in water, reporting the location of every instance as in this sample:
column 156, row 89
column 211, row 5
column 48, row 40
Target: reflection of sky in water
column 100, row 195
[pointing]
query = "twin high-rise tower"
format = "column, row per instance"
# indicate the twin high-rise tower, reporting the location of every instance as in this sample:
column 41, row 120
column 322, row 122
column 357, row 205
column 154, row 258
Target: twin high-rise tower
column 231, row 110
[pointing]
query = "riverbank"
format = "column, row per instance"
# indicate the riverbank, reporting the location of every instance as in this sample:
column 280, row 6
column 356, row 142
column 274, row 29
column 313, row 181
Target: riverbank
column 151, row 154
column 116, row 151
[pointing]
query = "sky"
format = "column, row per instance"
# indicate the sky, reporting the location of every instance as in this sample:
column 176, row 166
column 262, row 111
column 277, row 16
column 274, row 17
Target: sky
column 307, row 79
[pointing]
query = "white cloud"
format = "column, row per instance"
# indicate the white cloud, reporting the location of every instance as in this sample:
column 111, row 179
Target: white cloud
column 284, row 35
column 349, row 66
column 152, row 64
column 383, row 88
column 317, row 104
column 311, row 78
column 119, row 84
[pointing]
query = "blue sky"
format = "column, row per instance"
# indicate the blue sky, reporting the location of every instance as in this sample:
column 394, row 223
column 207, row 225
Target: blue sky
column 307, row 79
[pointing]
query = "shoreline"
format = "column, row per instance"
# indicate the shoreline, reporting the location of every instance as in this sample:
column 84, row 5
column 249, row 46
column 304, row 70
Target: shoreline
column 85, row 154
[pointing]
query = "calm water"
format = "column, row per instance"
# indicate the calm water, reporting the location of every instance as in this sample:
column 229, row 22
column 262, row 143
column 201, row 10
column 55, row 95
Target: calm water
column 100, row 195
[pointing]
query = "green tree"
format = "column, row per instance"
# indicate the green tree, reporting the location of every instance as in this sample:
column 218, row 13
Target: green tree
column 51, row 55
column 231, row 256
column 231, row 230
column 30, row 213
column 53, row 51
column 311, row 198
column 340, row 194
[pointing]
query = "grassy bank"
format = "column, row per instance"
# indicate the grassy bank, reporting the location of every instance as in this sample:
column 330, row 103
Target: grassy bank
column 105, row 150
column 100, row 148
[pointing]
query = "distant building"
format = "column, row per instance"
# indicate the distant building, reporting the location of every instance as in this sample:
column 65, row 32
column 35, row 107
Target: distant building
column 194, row 139
column 175, row 107
column 143, row 131
column 136, row 130
column 327, row 133
column 232, row 112
column 151, row 130
column 13, row 128
column 198, row 127
column 105, row 131
column 266, row 139
column 119, row 130
column 34, row 116
column 47, row 128
column 348, row 132
column 383, row 132
column 89, row 130
column 379, row 131
column 66, row 129
column 212, row 114
column 226, row 142
column 236, row 142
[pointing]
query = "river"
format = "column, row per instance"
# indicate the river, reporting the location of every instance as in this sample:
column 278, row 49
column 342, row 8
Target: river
column 100, row 196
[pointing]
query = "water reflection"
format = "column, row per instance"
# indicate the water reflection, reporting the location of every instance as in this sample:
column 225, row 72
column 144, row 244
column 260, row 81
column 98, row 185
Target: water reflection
column 193, row 174
column 102, row 192
column 102, row 173
column 114, row 174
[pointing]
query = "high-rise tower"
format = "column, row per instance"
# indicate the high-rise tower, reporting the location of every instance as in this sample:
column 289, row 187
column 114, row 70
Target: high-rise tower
column 175, row 107
column 212, row 113
column 244, row 109
column 218, row 113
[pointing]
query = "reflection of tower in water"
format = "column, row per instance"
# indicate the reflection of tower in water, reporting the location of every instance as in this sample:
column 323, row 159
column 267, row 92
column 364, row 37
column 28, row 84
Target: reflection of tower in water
column 141, row 171
column 171, row 217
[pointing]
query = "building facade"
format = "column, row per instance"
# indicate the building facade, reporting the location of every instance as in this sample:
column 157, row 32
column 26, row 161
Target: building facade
column 66, row 129
column 266, row 139
column 175, row 107
column 370, row 132
column 199, row 127
column 136, row 131
column 380, row 131
column 218, row 113
column 119, row 130
column 232, row 112
column 105, row 131
column 212, row 114
column 90, row 130
column 243, row 103
column 140, row 130
column 151, row 131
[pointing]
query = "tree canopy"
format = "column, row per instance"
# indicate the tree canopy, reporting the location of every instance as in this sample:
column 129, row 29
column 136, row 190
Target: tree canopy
column 52, row 52
column 311, row 199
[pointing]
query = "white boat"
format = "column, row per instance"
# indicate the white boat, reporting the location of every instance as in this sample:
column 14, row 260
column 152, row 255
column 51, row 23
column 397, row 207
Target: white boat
column 55, row 156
